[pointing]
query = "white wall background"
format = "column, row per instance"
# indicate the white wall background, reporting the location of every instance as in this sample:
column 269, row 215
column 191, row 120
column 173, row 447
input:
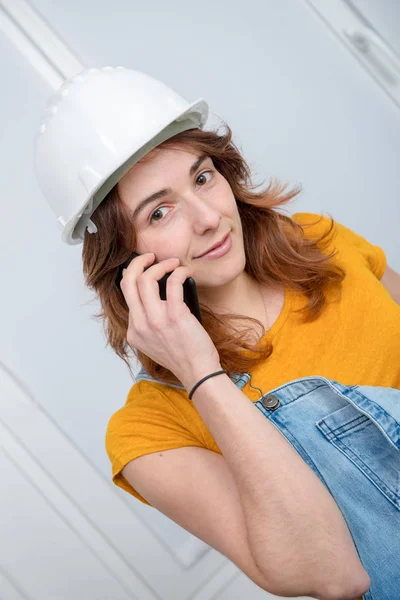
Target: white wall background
column 301, row 108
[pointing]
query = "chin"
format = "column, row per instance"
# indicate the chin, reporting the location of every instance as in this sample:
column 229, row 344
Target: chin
column 219, row 272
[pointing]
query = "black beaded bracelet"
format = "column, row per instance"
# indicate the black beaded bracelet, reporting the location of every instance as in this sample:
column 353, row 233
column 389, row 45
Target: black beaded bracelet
column 204, row 378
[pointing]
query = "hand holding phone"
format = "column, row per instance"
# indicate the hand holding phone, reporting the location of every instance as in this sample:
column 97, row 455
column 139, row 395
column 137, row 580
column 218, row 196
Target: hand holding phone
column 189, row 288
column 164, row 329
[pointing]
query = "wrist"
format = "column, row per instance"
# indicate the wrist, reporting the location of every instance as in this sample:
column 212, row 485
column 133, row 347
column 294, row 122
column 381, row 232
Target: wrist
column 190, row 379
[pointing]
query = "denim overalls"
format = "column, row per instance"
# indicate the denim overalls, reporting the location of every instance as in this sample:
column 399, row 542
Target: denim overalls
column 350, row 437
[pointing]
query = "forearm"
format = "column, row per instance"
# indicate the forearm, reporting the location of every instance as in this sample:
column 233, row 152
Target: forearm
column 297, row 534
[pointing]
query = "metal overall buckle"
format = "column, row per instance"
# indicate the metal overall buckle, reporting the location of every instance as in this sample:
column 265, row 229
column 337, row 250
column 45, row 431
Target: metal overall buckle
column 269, row 401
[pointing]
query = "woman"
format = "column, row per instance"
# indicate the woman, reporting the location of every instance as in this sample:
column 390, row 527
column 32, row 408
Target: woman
column 302, row 493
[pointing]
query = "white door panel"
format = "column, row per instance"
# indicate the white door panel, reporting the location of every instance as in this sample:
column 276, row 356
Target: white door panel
column 49, row 559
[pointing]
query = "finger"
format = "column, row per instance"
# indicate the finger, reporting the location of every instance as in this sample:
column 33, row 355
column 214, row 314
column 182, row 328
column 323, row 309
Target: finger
column 149, row 290
column 175, row 292
column 129, row 283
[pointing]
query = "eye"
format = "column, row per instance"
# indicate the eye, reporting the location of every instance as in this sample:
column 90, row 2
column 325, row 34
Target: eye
column 155, row 212
column 158, row 209
column 202, row 175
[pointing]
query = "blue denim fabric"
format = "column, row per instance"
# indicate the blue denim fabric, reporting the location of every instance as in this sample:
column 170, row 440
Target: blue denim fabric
column 350, row 437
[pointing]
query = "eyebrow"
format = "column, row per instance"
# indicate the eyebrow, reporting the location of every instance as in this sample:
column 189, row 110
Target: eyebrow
column 166, row 191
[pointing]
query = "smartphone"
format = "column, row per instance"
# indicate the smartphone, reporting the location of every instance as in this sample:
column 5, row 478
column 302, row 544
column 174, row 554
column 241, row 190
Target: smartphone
column 189, row 288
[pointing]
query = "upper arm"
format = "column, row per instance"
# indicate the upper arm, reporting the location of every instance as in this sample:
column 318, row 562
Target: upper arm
column 195, row 488
column 391, row 280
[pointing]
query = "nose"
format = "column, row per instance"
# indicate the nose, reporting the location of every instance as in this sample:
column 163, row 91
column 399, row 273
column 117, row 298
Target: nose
column 203, row 215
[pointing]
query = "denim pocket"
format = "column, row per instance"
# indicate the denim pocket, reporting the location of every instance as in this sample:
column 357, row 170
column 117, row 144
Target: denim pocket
column 368, row 435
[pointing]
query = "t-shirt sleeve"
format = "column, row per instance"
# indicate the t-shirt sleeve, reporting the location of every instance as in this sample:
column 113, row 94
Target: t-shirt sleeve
column 148, row 422
column 373, row 256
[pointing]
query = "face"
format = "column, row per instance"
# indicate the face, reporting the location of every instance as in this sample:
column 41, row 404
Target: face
column 197, row 212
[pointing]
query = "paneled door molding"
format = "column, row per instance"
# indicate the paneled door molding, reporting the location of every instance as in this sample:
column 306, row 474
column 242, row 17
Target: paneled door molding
column 40, row 45
column 54, row 502
column 360, row 36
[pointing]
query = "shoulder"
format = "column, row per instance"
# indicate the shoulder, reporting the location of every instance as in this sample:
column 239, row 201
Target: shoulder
column 154, row 418
column 152, row 413
column 144, row 397
column 352, row 246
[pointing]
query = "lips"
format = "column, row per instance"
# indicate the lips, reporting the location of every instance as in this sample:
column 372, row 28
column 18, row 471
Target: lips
column 215, row 245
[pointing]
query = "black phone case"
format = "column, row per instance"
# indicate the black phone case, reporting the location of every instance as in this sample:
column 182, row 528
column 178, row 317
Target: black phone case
column 189, row 288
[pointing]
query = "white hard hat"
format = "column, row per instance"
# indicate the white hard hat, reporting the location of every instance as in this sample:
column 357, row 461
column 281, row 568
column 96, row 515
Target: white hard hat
column 95, row 127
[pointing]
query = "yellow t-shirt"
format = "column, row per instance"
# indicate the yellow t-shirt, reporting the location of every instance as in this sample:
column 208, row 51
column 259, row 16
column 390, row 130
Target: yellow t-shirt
column 356, row 340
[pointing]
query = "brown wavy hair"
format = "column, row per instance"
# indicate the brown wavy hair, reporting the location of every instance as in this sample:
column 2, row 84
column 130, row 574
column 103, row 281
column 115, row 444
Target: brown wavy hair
column 275, row 246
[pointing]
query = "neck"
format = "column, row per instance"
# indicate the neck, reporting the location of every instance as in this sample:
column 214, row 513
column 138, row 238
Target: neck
column 243, row 296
